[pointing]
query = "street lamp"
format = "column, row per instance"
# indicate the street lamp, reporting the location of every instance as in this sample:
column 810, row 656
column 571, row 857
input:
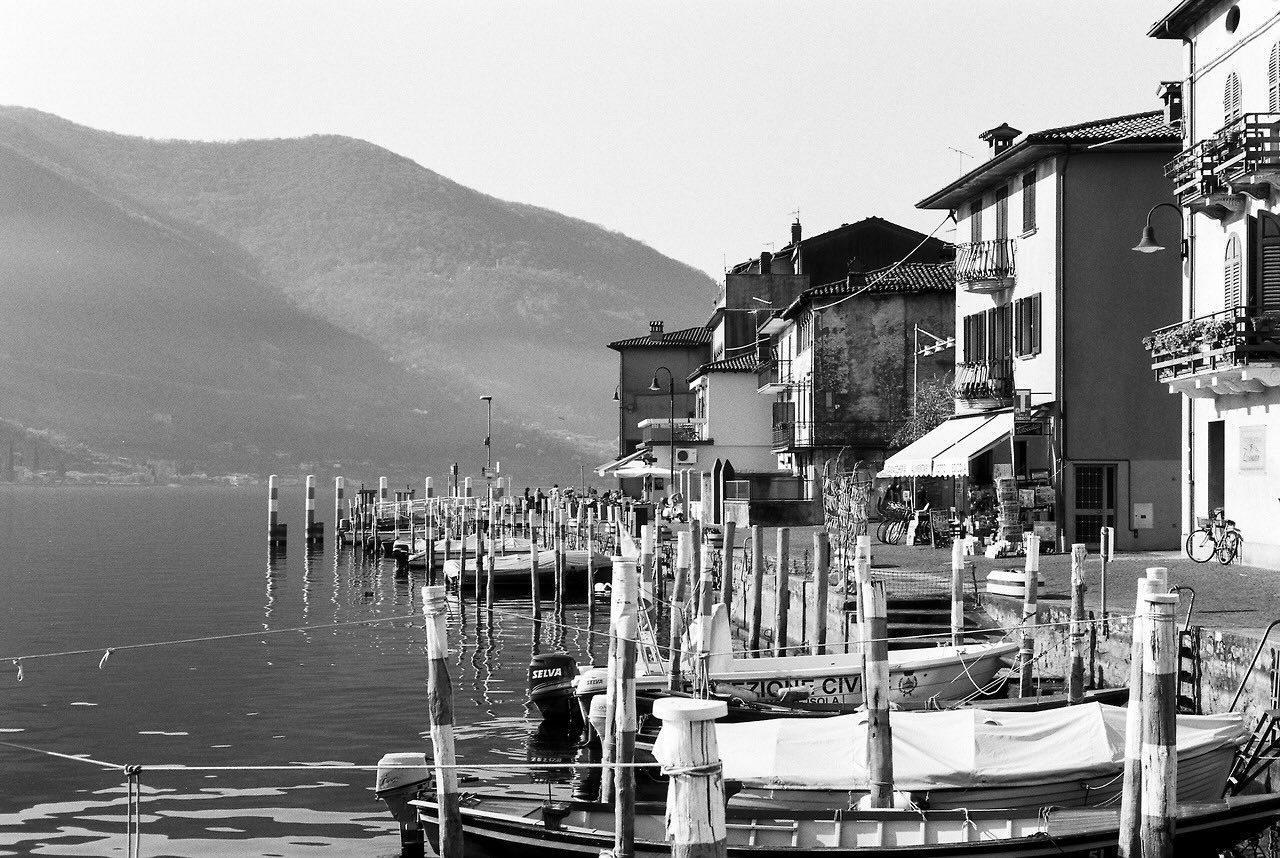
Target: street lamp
column 671, row 427
column 488, row 435
column 1148, row 244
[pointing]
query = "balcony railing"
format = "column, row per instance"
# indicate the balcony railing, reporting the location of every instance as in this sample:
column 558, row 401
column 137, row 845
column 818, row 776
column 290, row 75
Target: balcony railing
column 793, row 435
column 1229, row 352
column 659, row 430
column 773, row 374
column 1240, row 156
column 985, row 384
column 985, row 266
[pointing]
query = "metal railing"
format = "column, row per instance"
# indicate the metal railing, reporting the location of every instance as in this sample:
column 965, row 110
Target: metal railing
column 1232, row 337
column 773, row 371
column 987, row 379
column 1239, row 149
column 981, row 262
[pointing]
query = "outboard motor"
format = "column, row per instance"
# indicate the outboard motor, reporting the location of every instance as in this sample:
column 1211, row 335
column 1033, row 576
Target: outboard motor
column 551, row 678
column 401, row 776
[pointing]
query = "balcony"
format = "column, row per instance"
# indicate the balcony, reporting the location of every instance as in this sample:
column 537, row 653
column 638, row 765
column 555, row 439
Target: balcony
column 687, row 430
column 985, row 266
column 984, row 385
column 1240, row 158
column 1231, row 352
column 806, row 434
column 773, row 376
column 784, row 437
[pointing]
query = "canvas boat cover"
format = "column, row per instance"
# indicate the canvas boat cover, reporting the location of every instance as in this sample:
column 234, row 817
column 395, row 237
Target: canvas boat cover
column 957, row 748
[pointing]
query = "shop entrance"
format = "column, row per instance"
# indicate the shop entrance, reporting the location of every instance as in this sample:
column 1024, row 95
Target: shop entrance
column 1217, row 476
column 1095, row 502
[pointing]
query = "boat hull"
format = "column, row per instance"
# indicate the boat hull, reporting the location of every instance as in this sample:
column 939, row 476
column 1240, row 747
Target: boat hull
column 510, row 826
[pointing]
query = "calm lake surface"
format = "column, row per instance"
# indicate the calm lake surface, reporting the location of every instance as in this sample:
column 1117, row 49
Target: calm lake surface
column 88, row 568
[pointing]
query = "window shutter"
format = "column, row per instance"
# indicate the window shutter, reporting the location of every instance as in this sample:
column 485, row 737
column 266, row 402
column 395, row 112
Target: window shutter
column 1029, row 201
column 1002, row 213
column 1035, row 324
column 1273, row 79
column 1232, row 275
column 1268, row 278
column 975, row 220
column 1231, row 101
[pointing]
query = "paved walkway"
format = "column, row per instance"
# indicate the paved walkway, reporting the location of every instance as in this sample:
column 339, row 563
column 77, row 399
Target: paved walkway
column 1236, row 597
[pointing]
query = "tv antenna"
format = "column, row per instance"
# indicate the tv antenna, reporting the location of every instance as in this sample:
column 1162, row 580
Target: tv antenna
column 963, row 154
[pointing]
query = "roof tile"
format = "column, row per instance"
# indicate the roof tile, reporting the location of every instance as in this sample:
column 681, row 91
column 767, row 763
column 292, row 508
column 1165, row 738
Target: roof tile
column 700, row 336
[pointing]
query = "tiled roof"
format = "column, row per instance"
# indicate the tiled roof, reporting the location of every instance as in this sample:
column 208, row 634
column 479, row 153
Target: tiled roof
column 910, row 277
column 700, row 336
column 741, row 363
column 1149, row 125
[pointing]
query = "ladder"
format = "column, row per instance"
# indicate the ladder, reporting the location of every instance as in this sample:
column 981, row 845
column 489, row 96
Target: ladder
column 1255, row 757
column 1189, row 671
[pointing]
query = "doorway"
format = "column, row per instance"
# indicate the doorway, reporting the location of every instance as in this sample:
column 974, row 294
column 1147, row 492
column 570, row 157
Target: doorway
column 1216, row 478
column 1095, row 502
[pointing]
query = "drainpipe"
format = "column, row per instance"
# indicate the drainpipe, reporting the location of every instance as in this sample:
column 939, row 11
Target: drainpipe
column 1188, row 111
column 1060, row 326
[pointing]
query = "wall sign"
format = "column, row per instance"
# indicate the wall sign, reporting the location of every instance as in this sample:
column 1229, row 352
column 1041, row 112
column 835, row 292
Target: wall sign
column 1253, row 448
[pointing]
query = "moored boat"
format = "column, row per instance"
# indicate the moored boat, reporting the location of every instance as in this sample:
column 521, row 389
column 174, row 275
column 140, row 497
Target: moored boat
column 513, row 825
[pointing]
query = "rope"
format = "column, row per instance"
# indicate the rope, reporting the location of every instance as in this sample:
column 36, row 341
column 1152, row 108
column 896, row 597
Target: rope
column 699, row 771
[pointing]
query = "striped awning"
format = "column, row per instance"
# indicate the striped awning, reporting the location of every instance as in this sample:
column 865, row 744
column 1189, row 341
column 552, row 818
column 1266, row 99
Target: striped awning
column 945, row 450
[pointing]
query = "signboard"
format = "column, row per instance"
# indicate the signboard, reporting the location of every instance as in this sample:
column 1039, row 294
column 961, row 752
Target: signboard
column 1253, row 448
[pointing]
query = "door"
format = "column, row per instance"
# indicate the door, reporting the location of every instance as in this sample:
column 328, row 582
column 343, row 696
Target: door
column 1095, row 502
column 1216, row 479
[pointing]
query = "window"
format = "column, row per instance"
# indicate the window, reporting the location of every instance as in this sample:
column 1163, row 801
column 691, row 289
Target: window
column 1231, row 109
column 1000, row 332
column 1026, row 312
column 1233, row 19
column 1268, row 262
column 1232, row 275
column 1029, row 201
column 975, row 220
column 804, row 331
column 975, row 338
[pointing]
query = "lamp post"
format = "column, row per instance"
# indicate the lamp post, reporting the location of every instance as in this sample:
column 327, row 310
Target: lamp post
column 671, row 427
column 488, row 436
column 1148, row 243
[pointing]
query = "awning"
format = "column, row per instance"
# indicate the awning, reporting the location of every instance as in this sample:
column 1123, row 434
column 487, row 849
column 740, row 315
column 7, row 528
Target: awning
column 945, row 450
column 608, row 468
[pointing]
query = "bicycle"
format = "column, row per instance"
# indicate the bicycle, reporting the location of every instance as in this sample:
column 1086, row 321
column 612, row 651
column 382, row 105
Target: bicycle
column 1215, row 536
column 893, row 525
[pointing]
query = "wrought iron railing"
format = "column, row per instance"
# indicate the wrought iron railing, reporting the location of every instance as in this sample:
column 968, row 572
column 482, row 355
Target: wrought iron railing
column 1244, row 147
column 773, row 371
column 987, row 379
column 980, row 262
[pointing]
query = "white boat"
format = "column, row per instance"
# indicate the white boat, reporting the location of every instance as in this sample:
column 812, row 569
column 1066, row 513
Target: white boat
column 515, row 565
column 967, row 758
column 919, row 677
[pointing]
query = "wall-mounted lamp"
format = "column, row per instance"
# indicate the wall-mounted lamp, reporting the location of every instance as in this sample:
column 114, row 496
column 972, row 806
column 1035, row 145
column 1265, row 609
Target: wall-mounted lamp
column 1148, row 242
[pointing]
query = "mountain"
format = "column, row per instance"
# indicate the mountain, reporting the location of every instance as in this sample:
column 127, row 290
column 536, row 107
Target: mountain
column 305, row 300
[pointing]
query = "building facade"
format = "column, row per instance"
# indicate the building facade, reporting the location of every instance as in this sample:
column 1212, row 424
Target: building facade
column 1220, row 355
column 1049, row 385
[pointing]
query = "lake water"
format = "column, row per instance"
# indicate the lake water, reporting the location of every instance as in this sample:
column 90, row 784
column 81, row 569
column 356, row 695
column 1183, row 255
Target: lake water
column 88, row 568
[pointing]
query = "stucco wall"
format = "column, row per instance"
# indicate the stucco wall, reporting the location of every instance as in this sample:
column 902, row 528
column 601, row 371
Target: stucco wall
column 636, row 369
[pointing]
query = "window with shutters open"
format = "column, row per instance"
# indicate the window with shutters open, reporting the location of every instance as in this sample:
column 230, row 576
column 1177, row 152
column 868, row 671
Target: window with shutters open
column 1233, row 275
column 975, row 338
column 975, row 220
column 1268, row 263
column 1231, row 101
column 1273, row 79
column 1027, row 326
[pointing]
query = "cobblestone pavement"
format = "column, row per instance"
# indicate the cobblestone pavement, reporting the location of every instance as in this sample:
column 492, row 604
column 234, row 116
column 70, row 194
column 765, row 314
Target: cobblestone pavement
column 1241, row 598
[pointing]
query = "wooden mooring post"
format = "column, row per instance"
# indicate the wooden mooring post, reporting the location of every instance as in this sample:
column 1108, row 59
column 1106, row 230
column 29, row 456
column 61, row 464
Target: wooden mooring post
column 339, row 520
column 315, row 529
column 1106, row 553
column 757, row 589
column 440, row 708
column 1131, row 809
column 1031, row 589
column 1159, row 726
column 1077, row 632
column 957, row 592
column 535, row 594
column 821, row 562
column 695, row 782
column 782, row 592
column 495, row 534
column 726, row 563
column 875, row 646
column 277, row 532
column 676, row 619
column 626, row 631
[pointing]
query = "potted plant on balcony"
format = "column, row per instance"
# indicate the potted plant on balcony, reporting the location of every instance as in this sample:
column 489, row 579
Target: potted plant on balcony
column 1177, row 341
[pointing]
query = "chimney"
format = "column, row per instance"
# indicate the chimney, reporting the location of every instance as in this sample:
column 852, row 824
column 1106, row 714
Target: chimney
column 795, row 232
column 1170, row 92
column 857, row 276
column 999, row 138
column 655, row 331
column 766, row 262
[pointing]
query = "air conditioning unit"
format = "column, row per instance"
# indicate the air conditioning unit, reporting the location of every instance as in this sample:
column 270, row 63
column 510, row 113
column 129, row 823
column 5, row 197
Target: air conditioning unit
column 686, row 455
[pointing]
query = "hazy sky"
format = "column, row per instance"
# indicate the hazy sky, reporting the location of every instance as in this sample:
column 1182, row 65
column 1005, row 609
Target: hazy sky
column 697, row 127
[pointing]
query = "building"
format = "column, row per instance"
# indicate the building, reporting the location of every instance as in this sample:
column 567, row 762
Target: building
column 840, row 367
column 664, row 358
column 1219, row 353
column 1050, row 304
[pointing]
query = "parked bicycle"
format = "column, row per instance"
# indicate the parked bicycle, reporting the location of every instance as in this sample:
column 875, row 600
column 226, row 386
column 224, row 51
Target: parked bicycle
column 893, row 522
column 1215, row 536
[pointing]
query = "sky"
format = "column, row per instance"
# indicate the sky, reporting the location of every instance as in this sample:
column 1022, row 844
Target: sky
column 699, row 128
